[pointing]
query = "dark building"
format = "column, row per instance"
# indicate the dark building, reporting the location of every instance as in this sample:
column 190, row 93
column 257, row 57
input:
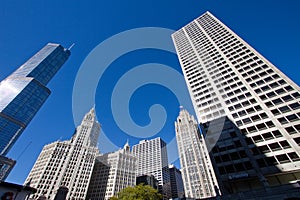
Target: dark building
column 147, row 180
column 23, row 92
column 14, row 191
column 177, row 189
column 6, row 165
column 62, row 193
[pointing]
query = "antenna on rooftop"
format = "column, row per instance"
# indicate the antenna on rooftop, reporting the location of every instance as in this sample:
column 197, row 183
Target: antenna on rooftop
column 24, row 150
column 72, row 45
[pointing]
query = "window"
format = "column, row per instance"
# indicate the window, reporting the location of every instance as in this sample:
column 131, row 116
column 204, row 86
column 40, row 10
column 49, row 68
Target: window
column 282, row 158
column 296, row 95
column 246, row 121
column 261, row 126
column 255, row 118
column 274, row 146
column 251, row 129
column 290, row 130
column 288, row 88
column 294, row 106
column 282, row 120
column 264, row 149
column 271, row 161
column 277, row 101
column 267, row 136
column 287, row 98
column 261, row 162
column 234, row 156
column 257, row 138
column 250, row 110
column 293, row 156
column 269, row 104
column 292, row 117
column 270, row 124
column 277, row 134
column 285, row 144
column 280, row 91
column 284, row 109
column 297, row 140
column 271, row 94
column 229, row 168
column 255, row 151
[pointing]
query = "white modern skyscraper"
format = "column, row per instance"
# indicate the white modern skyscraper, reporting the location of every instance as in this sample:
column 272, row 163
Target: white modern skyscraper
column 67, row 163
column 152, row 159
column 198, row 175
column 112, row 173
column 227, row 77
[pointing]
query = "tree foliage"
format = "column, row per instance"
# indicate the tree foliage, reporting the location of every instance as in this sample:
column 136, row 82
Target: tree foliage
column 139, row 192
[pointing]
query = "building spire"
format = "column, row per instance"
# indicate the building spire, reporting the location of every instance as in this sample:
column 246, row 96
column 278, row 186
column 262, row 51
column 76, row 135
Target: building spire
column 126, row 146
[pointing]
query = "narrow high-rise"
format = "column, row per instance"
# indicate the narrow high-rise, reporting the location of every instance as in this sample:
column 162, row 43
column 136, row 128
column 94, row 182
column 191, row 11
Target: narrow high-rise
column 255, row 105
column 177, row 187
column 112, row 173
column 23, row 92
column 197, row 172
column 152, row 159
column 67, row 164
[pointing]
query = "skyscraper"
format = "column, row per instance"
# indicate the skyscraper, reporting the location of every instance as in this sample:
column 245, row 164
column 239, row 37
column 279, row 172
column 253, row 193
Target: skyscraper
column 177, row 188
column 112, row 173
column 67, row 164
column 229, row 80
column 197, row 172
column 152, row 159
column 24, row 92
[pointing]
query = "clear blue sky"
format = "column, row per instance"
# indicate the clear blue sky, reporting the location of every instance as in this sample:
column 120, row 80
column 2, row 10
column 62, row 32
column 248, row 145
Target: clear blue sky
column 271, row 26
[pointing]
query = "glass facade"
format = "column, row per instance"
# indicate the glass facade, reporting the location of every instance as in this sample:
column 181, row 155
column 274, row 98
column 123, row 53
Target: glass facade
column 24, row 92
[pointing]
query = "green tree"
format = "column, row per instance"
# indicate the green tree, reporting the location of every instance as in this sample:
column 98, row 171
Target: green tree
column 139, row 192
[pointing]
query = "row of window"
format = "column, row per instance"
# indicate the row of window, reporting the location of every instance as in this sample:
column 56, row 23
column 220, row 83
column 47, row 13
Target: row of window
column 287, row 108
column 256, row 128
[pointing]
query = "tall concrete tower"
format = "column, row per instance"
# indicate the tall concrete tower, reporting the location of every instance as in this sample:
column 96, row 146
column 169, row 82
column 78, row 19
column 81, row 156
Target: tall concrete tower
column 255, row 105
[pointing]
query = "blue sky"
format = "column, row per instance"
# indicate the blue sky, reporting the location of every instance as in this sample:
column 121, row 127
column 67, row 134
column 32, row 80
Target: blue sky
column 271, row 26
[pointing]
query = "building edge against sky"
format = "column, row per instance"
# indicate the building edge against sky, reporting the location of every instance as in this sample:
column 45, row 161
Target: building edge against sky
column 197, row 172
column 67, row 163
column 229, row 80
column 24, row 92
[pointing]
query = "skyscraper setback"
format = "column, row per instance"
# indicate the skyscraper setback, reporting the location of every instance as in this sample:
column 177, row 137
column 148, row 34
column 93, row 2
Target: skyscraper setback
column 260, row 106
column 23, row 92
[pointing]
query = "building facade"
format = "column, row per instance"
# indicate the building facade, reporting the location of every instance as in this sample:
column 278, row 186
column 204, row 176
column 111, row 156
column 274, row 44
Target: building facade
column 197, row 172
column 24, row 92
column 230, row 82
column 112, row 173
column 147, row 180
column 152, row 159
column 67, row 164
column 177, row 188
column 6, row 165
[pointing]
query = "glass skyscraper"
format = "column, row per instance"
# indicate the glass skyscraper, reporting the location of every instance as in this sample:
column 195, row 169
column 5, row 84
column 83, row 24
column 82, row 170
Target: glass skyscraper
column 24, row 92
column 255, row 106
